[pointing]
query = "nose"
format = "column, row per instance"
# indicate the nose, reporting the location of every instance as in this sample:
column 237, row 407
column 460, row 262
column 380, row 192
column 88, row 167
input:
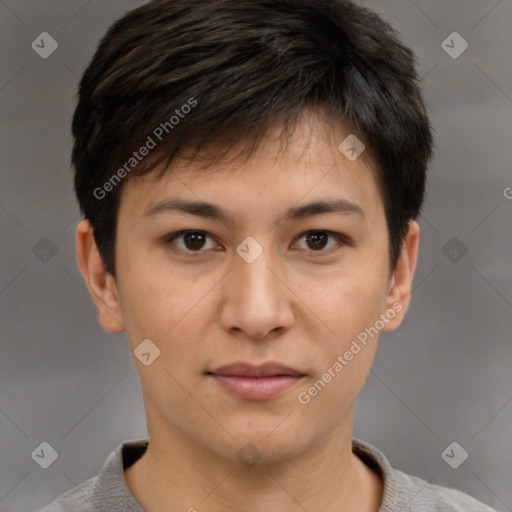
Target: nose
column 256, row 298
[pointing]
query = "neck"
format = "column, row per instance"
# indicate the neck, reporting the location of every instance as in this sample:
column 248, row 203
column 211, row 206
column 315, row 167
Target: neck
column 176, row 474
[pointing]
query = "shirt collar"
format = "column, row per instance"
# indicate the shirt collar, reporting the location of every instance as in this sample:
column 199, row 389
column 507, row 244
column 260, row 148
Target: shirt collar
column 112, row 492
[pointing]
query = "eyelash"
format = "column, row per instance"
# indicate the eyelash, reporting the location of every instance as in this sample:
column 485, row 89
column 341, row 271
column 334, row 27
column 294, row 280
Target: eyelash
column 169, row 240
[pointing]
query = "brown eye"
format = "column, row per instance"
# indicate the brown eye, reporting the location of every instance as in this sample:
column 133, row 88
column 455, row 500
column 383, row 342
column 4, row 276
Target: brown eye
column 191, row 241
column 317, row 241
column 194, row 241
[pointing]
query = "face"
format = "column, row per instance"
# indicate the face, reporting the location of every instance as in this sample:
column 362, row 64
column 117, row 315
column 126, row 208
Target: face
column 268, row 282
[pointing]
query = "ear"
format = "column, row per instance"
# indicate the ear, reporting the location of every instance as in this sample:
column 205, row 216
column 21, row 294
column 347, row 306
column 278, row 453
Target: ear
column 102, row 285
column 399, row 293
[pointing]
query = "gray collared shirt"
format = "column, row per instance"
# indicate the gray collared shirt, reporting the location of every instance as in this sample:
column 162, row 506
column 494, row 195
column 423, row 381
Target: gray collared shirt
column 108, row 491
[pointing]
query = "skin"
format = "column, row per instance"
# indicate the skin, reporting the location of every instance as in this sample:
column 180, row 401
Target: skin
column 299, row 303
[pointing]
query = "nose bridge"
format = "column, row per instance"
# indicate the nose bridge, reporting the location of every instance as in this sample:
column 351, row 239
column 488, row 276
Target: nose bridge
column 256, row 281
column 256, row 300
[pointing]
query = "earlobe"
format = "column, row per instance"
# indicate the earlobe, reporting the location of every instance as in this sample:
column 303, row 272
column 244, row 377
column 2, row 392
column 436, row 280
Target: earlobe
column 399, row 293
column 101, row 285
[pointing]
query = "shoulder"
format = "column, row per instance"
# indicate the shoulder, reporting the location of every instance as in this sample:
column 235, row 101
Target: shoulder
column 78, row 499
column 423, row 496
column 108, row 489
column 408, row 493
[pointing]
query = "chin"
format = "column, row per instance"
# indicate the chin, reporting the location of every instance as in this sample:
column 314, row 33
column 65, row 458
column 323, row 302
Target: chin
column 264, row 443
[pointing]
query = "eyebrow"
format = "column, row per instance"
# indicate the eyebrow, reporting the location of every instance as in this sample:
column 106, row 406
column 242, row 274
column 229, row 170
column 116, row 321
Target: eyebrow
column 216, row 212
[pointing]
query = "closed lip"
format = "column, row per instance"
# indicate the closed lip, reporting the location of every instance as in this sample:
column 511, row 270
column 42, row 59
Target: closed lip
column 241, row 369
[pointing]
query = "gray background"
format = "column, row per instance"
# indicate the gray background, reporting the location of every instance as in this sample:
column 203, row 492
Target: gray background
column 443, row 376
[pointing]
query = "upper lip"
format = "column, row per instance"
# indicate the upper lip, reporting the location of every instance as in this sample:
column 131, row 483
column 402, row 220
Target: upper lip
column 249, row 370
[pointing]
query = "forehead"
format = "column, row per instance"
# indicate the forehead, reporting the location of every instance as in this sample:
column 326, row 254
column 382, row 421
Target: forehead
column 308, row 166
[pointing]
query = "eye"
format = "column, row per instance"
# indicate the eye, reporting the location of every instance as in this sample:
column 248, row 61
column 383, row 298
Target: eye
column 193, row 241
column 318, row 240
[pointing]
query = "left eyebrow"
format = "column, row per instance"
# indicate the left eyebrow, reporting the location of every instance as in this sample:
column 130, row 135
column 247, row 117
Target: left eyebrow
column 341, row 206
column 216, row 212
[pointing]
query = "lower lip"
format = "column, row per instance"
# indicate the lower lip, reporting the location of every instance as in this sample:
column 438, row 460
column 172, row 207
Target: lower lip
column 257, row 388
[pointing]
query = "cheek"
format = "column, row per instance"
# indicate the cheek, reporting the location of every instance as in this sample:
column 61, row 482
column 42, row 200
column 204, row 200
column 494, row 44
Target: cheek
column 174, row 312
column 150, row 306
column 344, row 303
column 344, row 351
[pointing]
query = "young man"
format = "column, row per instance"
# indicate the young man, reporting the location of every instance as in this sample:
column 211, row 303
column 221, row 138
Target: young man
column 250, row 173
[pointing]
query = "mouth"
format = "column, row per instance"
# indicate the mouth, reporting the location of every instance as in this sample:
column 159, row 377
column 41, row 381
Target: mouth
column 250, row 382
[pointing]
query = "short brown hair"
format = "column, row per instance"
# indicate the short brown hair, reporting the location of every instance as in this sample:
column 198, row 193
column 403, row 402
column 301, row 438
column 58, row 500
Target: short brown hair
column 246, row 64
